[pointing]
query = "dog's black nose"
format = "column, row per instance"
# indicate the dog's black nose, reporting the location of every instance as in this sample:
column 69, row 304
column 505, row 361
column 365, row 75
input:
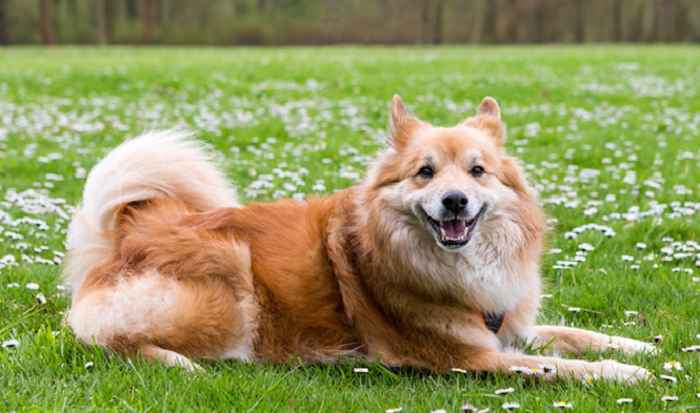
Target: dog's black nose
column 455, row 201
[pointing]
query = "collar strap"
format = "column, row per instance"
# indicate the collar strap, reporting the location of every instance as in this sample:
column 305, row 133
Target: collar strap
column 493, row 321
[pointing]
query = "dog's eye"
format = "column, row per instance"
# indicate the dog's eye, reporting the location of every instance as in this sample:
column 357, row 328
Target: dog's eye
column 426, row 172
column 477, row 171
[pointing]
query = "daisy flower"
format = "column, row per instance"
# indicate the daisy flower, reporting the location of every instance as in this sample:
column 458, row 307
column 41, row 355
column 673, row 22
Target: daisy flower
column 456, row 370
column 672, row 365
column 394, row 410
column 548, row 368
column 668, row 398
column 533, row 371
column 562, row 405
column 360, row 370
column 89, row 364
column 668, row 378
column 10, row 343
column 510, row 406
column 623, row 401
column 468, row 407
column 32, row 286
column 505, row 391
column 588, row 378
column 517, row 369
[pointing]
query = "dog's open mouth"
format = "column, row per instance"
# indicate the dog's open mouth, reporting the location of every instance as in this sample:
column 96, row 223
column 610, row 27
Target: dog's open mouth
column 453, row 233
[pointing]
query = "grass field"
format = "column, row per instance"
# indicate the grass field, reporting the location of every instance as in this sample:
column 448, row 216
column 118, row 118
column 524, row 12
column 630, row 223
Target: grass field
column 609, row 135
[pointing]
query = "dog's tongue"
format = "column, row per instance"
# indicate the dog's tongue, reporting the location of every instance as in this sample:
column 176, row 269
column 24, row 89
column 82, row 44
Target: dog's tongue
column 454, row 228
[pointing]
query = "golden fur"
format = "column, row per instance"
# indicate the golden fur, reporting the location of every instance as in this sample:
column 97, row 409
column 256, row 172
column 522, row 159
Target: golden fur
column 166, row 264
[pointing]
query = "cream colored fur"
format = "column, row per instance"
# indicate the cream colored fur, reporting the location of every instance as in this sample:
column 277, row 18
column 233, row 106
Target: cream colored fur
column 156, row 164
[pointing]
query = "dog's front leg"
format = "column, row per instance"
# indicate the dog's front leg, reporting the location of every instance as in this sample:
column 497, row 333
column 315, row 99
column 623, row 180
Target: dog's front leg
column 550, row 368
column 576, row 341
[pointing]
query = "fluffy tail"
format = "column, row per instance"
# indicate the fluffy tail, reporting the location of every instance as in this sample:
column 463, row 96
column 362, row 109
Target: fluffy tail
column 154, row 165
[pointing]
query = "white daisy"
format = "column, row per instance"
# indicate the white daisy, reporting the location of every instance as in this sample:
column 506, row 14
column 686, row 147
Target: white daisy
column 668, row 378
column 456, row 370
column 548, row 368
column 672, row 365
column 668, row 398
column 10, row 343
column 510, row 406
column 89, row 364
column 41, row 298
column 588, row 378
column 517, row 369
column 394, row 410
column 623, row 401
column 505, row 391
column 361, row 370
column 562, row 405
column 32, row 286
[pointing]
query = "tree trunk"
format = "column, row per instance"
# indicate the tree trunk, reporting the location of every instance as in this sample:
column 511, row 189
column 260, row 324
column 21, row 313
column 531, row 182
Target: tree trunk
column 102, row 22
column 579, row 22
column 149, row 20
column 438, row 22
column 132, row 12
column 5, row 36
column 479, row 21
column 649, row 25
column 45, row 15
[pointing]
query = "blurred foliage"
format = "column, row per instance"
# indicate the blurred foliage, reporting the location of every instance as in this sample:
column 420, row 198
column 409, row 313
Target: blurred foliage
column 226, row 22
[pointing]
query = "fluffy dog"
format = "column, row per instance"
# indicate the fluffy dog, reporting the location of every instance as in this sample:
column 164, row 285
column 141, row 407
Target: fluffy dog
column 431, row 262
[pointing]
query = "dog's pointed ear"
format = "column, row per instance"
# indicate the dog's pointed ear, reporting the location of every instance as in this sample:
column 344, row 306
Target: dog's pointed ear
column 488, row 119
column 402, row 123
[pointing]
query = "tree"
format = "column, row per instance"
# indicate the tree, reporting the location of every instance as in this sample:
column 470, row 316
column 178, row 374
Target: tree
column 45, row 15
column 149, row 20
column 102, row 22
column 432, row 21
column 5, row 37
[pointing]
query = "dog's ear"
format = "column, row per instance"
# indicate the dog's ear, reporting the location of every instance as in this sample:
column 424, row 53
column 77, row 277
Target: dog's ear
column 488, row 119
column 402, row 123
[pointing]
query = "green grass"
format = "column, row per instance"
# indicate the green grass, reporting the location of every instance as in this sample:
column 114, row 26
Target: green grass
column 302, row 121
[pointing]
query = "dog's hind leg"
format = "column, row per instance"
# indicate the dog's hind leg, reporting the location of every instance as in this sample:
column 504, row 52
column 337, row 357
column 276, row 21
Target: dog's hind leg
column 576, row 341
column 151, row 352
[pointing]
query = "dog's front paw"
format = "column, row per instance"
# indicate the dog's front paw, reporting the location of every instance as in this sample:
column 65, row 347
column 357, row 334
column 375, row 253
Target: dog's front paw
column 630, row 347
column 614, row 372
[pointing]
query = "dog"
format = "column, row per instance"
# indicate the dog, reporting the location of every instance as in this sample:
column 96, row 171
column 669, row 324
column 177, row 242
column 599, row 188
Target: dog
column 431, row 262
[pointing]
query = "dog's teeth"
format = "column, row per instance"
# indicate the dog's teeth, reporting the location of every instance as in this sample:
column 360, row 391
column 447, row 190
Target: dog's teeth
column 466, row 230
column 443, row 234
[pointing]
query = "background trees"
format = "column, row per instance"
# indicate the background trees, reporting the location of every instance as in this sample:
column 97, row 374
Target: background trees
column 347, row 21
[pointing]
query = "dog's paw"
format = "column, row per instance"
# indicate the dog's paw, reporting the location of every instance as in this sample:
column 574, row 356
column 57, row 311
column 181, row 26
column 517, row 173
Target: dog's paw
column 614, row 372
column 630, row 346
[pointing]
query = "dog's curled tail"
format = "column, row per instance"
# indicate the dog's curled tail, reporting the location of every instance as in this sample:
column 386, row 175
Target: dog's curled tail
column 157, row 164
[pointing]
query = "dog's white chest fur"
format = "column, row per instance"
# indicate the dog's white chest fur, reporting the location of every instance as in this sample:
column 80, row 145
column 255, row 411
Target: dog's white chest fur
column 487, row 274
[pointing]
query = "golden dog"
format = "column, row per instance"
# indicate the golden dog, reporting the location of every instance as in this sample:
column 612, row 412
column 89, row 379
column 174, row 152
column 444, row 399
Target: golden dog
column 431, row 262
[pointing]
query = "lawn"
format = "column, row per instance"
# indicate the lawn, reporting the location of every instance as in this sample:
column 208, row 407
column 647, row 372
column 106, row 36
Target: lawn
column 610, row 137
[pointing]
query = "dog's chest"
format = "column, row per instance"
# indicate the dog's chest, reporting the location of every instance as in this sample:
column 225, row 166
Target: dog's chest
column 489, row 279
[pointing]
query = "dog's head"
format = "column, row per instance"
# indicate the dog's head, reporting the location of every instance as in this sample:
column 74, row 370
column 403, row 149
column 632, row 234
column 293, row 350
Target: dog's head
column 449, row 181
